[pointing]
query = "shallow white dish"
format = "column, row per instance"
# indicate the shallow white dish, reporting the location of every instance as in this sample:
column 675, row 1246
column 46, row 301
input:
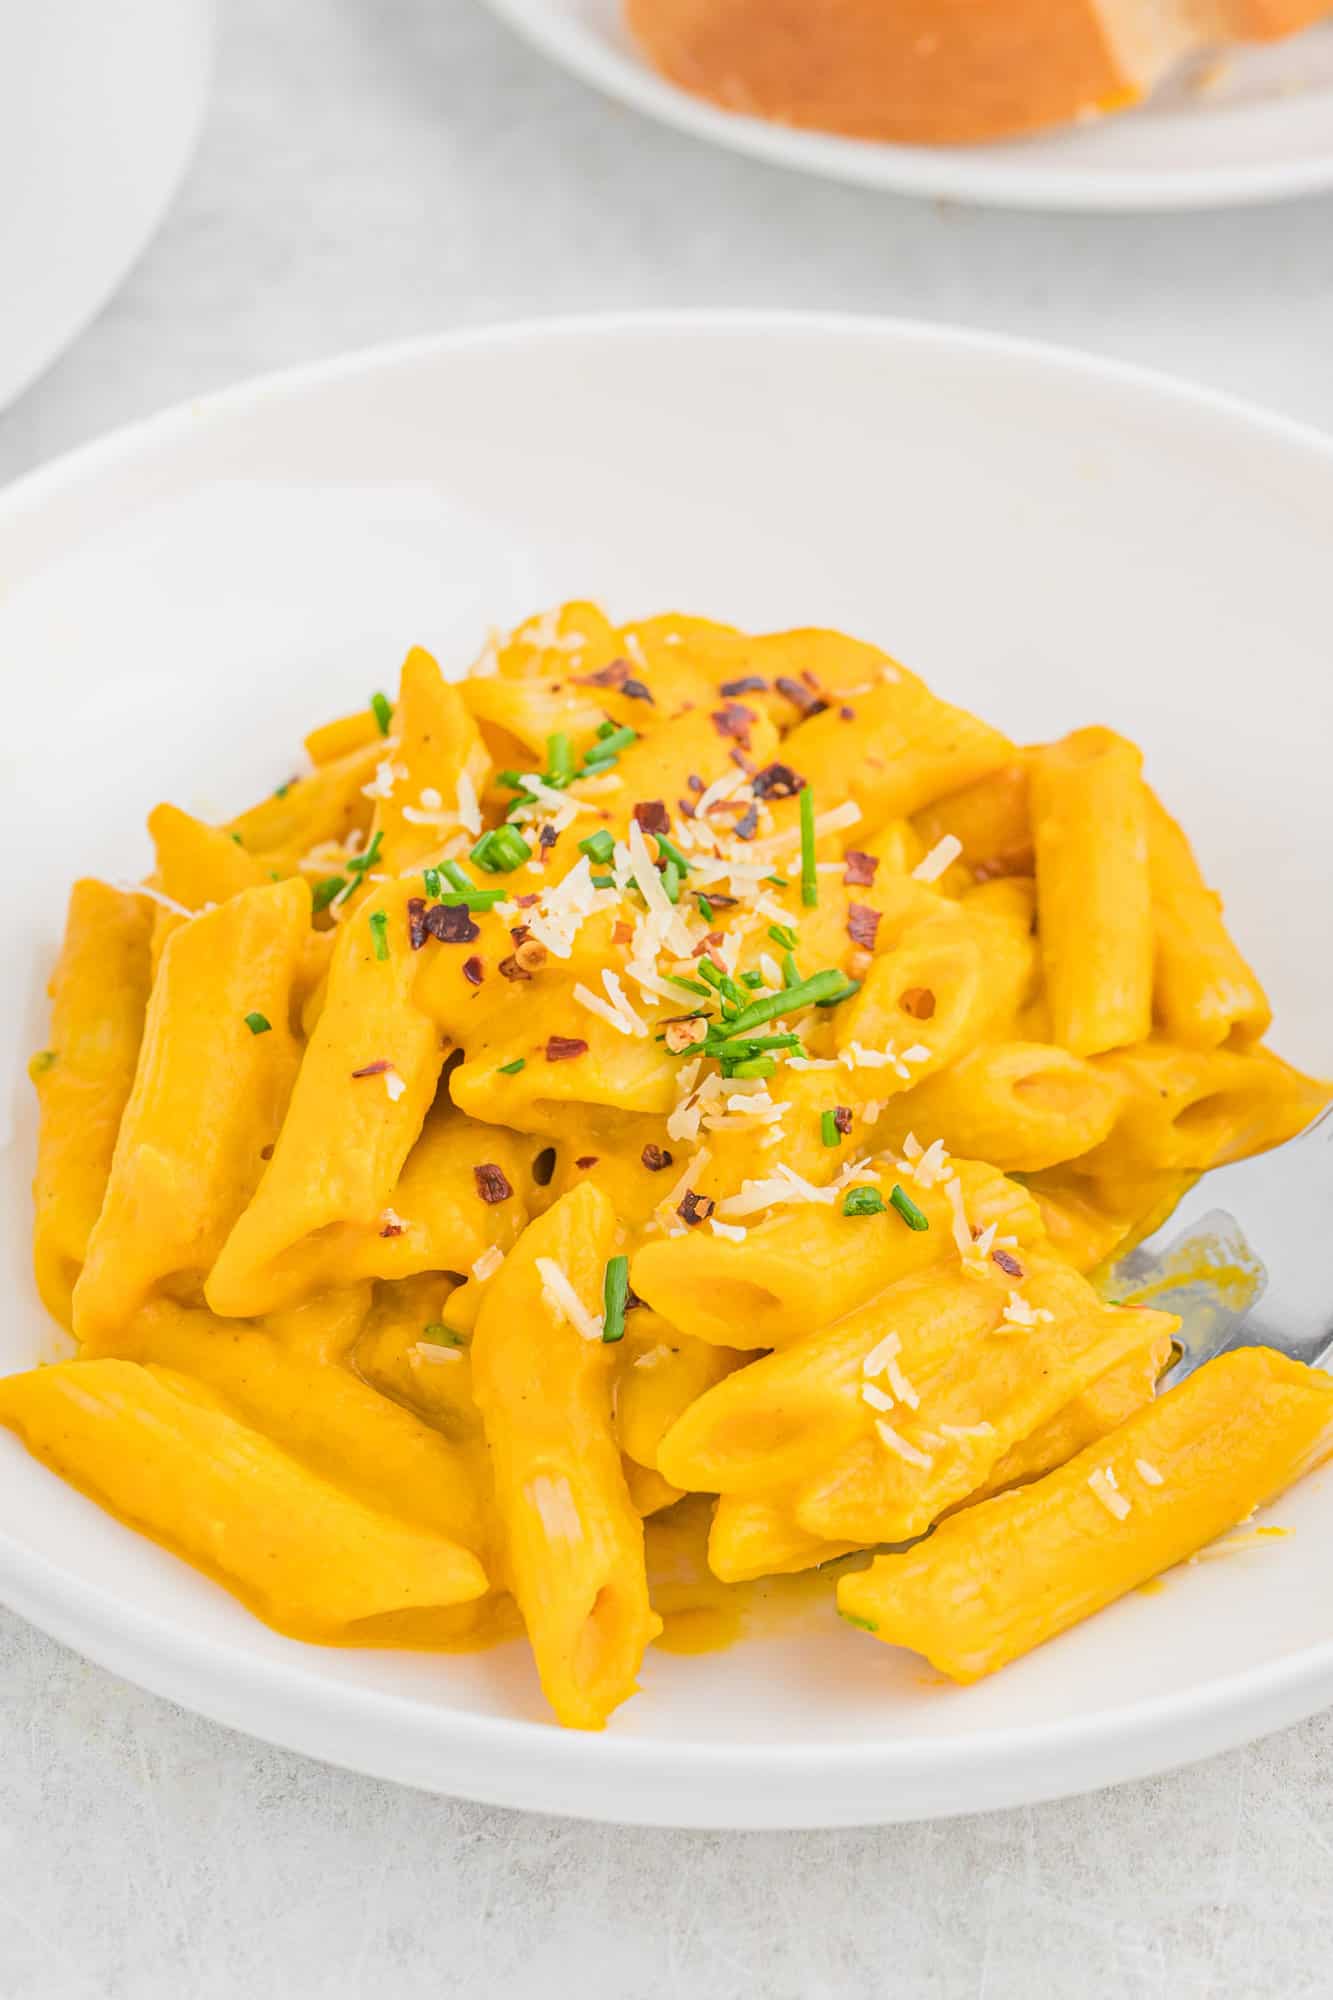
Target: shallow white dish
column 1049, row 539
column 1260, row 128
column 99, row 110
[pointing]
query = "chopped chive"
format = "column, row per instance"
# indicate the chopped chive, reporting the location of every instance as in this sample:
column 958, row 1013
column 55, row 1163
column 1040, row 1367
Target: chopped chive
column 456, row 877
column 790, row 974
column 273, row 875
column 862, row 1624
column 607, row 728
column 602, row 881
column 431, row 878
column 828, row 1128
column 810, row 993
column 736, row 1048
column 281, row 791
column 44, row 1060
column 671, row 882
column 237, row 838
column 840, row 993
column 615, row 1291
column 864, row 1201
column 708, row 971
column 705, row 909
column 379, row 931
column 441, row 1335
column 258, row 1024
column 778, row 881
column 755, row 1066
column 559, row 759
column 752, row 979
column 511, row 780
column 358, row 864
column 690, row 985
column 668, row 851
column 908, row 1210
column 610, row 742
column 599, row 846
column 501, row 850
column 783, row 936
column 479, row 899
column 324, row 892
column 809, row 879
column 513, row 1068
column 382, row 710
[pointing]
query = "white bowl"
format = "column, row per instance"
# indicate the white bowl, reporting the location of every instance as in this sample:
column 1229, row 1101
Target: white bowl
column 1050, row 539
column 1260, row 129
column 99, row 110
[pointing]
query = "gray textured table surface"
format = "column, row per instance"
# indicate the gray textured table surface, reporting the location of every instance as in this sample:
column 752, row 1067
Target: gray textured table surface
column 375, row 168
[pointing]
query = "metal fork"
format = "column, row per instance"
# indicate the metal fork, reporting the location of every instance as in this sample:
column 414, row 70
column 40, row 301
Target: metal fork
column 1265, row 1283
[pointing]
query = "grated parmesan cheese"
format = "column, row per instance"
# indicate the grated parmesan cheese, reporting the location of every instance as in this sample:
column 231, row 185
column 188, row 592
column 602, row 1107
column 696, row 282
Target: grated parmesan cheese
column 733, row 1232
column 881, row 1354
column 554, row 1502
column 1148, row 1472
column 560, row 1297
column 901, row 1387
column 434, row 1351
column 896, row 1442
column 469, row 806
column 1104, row 1489
column 875, row 1397
column 942, row 855
column 488, row 1263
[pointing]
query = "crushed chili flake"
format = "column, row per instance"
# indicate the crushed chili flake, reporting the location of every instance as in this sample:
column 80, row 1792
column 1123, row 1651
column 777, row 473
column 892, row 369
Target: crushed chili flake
column 706, row 944
column 735, row 721
column 392, row 1229
column 685, row 808
column 918, row 1002
column 563, row 1048
column 613, row 675
column 716, row 901
column 473, row 970
column 451, row 923
column 747, row 826
column 1009, row 1265
column 636, row 691
column 846, row 714
column 526, row 902
column 621, row 932
column 266, row 1152
column 862, row 923
column 653, row 816
column 519, row 932
column 548, row 836
column 742, row 762
column 801, row 697
column 694, row 1208
column 492, row 1183
column 695, row 782
column 842, row 1119
column 778, row 781
column 859, row 869
column 511, row 969
column 747, row 684
column 372, row 1069
column 416, row 922
column 655, row 1158
column 586, row 1160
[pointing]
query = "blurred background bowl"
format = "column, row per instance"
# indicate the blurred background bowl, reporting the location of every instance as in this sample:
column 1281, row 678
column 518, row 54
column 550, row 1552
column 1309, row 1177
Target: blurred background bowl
column 100, row 106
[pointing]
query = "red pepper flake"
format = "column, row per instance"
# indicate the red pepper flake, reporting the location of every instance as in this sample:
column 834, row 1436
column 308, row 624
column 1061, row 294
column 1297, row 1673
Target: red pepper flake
column 492, row 1184
column 563, row 1048
column 860, row 869
column 621, row 932
column 846, row 714
column 266, row 1152
column 747, row 684
column 778, row 781
column 392, row 1229
column 451, row 923
column 473, row 970
column 746, row 826
column 587, row 1160
column 707, row 944
column 742, row 762
column 520, row 933
column 416, row 922
column 653, row 816
column 372, row 1069
column 695, row 782
column 655, row 1158
column 685, row 808
column 1009, row 1265
column 511, row 969
column 801, row 697
column 842, row 1119
column 548, row 836
column 636, row 691
column 526, row 902
column 862, row 923
column 613, row 675
column 695, row 1208
column 735, row 721
column 716, row 902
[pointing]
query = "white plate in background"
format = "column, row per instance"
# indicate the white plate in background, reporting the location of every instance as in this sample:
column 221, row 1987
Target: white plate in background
column 1049, row 539
column 99, row 110
column 1260, row 129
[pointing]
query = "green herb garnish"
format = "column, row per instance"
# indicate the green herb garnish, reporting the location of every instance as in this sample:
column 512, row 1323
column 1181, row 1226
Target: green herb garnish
column 39, row 1064
column 810, row 993
column 809, row 879
column 559, row 760
column 258, row 1024
column 667, row 850
column 325, row 891
column 828, row 1128
column 456, row 877
column 705, row 909
column 501, row 850
column 864, row 1201
column 615, row 1291
column 907, row 1208
column 382, row 710
column 441, row 1335
column 513, row 1068
column 755, row 1066
column 783, row 936
column 599, row 846
column 379, row 931
column 862, row 1624
column 690, row 985
column 431, row 878
column 752, row 979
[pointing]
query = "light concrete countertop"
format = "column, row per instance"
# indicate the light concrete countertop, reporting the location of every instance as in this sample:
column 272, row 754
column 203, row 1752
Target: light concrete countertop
column 377, row 168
